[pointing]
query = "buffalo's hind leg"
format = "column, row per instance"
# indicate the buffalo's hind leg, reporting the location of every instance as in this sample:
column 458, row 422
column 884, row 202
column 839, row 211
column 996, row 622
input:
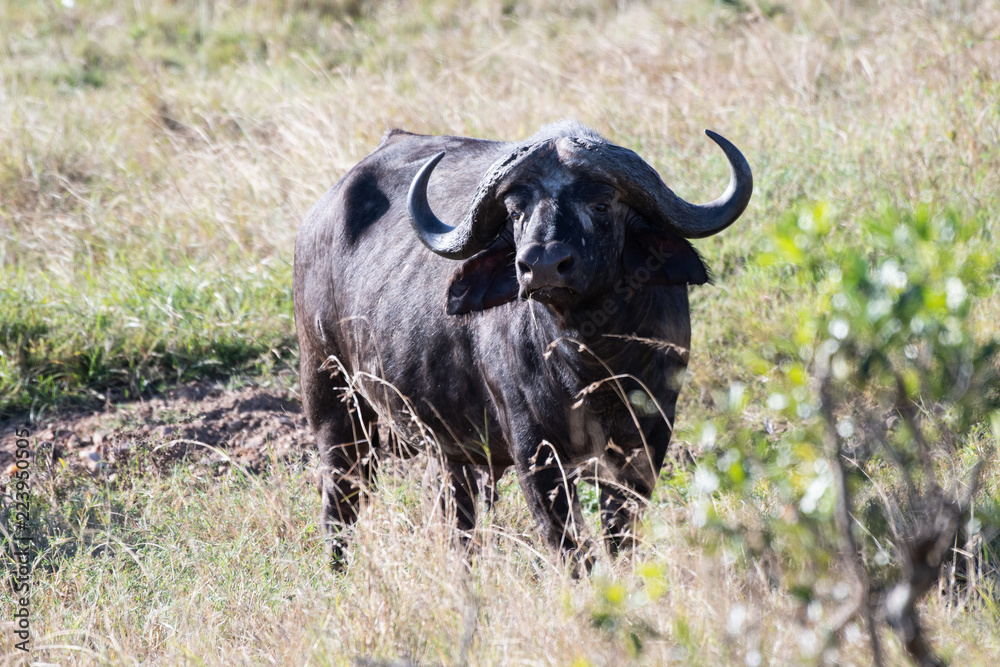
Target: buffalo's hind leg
column 347, row 439
column 347, row 474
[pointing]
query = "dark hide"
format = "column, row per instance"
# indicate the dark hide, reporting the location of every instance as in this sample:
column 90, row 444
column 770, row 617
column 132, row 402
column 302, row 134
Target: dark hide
column 495, row 380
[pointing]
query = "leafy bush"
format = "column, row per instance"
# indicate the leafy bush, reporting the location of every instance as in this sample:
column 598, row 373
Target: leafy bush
column 865, row 466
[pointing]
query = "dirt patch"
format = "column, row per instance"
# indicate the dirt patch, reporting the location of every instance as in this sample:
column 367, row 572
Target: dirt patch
column 200, row 421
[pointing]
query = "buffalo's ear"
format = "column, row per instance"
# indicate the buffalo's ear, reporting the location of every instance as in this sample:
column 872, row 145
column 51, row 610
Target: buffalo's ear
column 487, row 280
column 666, row 258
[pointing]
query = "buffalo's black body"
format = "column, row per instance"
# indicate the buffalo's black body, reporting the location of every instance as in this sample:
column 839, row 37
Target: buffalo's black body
column 555, row 347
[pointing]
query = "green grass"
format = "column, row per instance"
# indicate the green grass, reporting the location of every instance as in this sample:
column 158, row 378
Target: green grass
column 156, row 159
column 132, row 329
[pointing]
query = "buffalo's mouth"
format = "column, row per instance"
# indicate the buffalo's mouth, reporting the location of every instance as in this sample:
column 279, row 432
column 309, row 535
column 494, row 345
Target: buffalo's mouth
column 554, row 296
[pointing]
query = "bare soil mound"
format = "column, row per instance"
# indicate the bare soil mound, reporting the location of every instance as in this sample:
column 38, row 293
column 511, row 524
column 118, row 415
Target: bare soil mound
column 200, row 421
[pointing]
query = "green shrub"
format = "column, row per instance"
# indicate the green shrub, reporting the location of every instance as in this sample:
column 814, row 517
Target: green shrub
column 866, row 464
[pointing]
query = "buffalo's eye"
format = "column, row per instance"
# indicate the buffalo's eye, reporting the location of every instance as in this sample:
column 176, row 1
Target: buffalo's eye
column 600, row 208
column 517, row 216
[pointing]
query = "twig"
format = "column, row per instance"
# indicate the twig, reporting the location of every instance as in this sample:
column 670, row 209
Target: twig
column 842, row 518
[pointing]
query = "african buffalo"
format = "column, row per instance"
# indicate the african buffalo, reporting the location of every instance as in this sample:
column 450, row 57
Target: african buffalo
column 548, row 330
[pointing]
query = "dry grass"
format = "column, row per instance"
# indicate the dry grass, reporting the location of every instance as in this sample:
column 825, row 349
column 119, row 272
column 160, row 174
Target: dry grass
column 157, row 156
column 186, row 569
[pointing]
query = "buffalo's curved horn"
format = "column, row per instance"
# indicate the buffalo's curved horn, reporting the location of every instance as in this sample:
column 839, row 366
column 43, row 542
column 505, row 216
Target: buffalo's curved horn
column 439, row 237
column 713, row 217
column 644, row 190
column 483, row 222
column 481, row 225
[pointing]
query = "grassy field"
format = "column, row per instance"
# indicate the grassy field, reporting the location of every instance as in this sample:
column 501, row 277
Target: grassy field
column 155, row 159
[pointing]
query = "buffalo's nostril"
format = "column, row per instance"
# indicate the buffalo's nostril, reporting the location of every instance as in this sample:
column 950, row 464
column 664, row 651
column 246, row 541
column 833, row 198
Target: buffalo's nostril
column 565, row 266
column 523, row 268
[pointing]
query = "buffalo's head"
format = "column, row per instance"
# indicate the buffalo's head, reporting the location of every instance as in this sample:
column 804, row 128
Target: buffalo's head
column 561, row 218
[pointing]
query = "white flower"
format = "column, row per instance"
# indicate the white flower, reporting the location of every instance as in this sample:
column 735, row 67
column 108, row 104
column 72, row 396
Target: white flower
column 954, row 293
column 876, row 308
column 708, row 435
column 813, row 494
column 705, row 481
column 735, row 396
column 737, row 616
column 839, row 328
column 777, row 401
column 890, row 275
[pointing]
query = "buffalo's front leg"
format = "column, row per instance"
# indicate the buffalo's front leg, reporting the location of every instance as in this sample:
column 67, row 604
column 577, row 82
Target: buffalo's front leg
column 550, row 491
column 463, row 481
column 627, row 485
column 619, row 512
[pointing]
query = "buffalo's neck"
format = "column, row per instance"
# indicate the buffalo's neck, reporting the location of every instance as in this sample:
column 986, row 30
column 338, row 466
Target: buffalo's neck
column 645, row 335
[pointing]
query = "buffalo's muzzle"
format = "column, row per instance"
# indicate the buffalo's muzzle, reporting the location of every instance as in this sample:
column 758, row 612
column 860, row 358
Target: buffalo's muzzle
column 543, row 267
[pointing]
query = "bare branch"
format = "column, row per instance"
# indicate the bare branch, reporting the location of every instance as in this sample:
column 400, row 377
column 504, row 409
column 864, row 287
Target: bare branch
column 842, row 517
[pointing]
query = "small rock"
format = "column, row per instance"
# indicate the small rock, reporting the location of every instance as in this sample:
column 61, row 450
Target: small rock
column 92, row 460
